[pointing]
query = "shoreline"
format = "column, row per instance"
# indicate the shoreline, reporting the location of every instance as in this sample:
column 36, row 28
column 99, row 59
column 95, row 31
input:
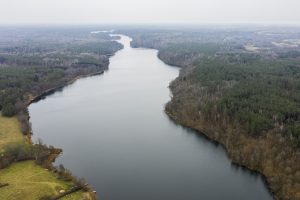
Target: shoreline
column 52, row 90
column 44, row 94
column 48, row 92
column 43, row 83
column 257, row 154
column 204, row 133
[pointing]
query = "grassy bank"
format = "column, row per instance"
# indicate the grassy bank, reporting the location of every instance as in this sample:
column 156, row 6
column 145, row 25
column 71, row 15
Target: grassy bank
column 10, row 131
column 28, row 181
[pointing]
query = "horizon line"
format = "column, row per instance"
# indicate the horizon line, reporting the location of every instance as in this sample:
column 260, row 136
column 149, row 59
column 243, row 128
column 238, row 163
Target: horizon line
column 153, row 24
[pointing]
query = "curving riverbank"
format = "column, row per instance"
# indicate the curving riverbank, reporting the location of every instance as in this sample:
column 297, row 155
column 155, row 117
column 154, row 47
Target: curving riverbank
column 90, row 194
column 31, row 76
column 199, row 91
column 53, row 156
column 255, row 153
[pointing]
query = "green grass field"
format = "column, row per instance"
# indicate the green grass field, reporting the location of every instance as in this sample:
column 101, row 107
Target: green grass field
column 10, row 131
column 28, row 181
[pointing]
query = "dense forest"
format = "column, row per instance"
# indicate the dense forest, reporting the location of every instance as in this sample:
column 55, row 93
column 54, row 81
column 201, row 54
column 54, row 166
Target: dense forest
column 241, row 88
column 260, row 95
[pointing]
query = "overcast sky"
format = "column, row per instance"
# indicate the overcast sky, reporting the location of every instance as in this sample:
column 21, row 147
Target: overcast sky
column 148, row 11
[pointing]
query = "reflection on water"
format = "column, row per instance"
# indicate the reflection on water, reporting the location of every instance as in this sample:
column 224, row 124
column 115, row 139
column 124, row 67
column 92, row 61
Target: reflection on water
column 115, row 133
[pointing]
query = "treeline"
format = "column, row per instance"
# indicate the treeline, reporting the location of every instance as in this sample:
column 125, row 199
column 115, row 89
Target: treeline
column 64, row 56
column 183, row 54
column 19, row 84
column 101, row 48
column 39, row 152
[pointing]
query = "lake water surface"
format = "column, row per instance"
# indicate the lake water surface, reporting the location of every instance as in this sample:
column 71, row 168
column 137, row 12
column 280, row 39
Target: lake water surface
column 114, row 132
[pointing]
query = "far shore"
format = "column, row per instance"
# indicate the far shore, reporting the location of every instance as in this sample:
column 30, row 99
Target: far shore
column 58, row 88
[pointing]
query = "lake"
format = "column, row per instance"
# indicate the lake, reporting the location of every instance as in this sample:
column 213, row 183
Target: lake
column 114, row 132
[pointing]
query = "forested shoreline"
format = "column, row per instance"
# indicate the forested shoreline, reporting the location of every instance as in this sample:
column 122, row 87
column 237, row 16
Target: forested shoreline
column 41, row 59
column 244, row 99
